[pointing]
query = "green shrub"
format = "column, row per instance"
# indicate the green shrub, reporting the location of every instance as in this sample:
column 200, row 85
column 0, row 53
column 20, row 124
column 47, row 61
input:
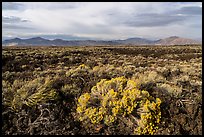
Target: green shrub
column 119, row 97
column 29, row 93
column 81, row 69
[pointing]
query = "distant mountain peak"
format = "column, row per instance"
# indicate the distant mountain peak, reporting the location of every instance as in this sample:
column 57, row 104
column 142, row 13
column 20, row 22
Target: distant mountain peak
column 175, row 40
column 134, row 38
column 57, row 39
column 174, row 37
column 16, row 39
column 37, row 38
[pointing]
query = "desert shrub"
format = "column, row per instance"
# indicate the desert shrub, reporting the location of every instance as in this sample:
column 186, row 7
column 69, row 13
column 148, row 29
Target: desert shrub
column 111, row 100
column 172, row 89
column 101, row 70
column 78, row 78
column 128, row 70
column 29, row 93
column 43, row 92
column 148, row 77
column 109, row 71
column 184, row 81
column 79, row 70
column 24, row 67
column 8, row 75
column 7, row 94
column 72, row 89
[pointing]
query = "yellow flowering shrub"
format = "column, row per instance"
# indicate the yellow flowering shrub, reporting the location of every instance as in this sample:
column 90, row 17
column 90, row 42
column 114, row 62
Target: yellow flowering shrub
column 150, row 117
column 119, row 97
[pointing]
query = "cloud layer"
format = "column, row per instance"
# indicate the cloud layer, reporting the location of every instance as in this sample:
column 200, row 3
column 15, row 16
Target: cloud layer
column 12, row 6
column 100, row 20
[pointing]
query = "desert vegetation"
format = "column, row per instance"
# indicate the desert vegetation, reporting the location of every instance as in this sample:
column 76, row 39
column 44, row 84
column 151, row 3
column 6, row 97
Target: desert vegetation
column 102, row 90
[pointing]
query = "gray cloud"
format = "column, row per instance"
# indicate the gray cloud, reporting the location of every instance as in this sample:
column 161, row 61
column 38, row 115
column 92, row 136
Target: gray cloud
column 39, row 5
column 63, row 36
column 13, row 19
column 11, row 6
column 193, row 10
column 80, row 27
column 14, row 23
column 14, row 27
column 153, row 19
column 64, row 5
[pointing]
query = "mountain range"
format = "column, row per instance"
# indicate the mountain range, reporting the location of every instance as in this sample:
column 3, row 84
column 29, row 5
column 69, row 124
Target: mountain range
column 38, row 41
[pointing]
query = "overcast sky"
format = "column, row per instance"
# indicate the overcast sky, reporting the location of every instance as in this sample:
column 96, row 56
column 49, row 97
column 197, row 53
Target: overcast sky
column 97, row 20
